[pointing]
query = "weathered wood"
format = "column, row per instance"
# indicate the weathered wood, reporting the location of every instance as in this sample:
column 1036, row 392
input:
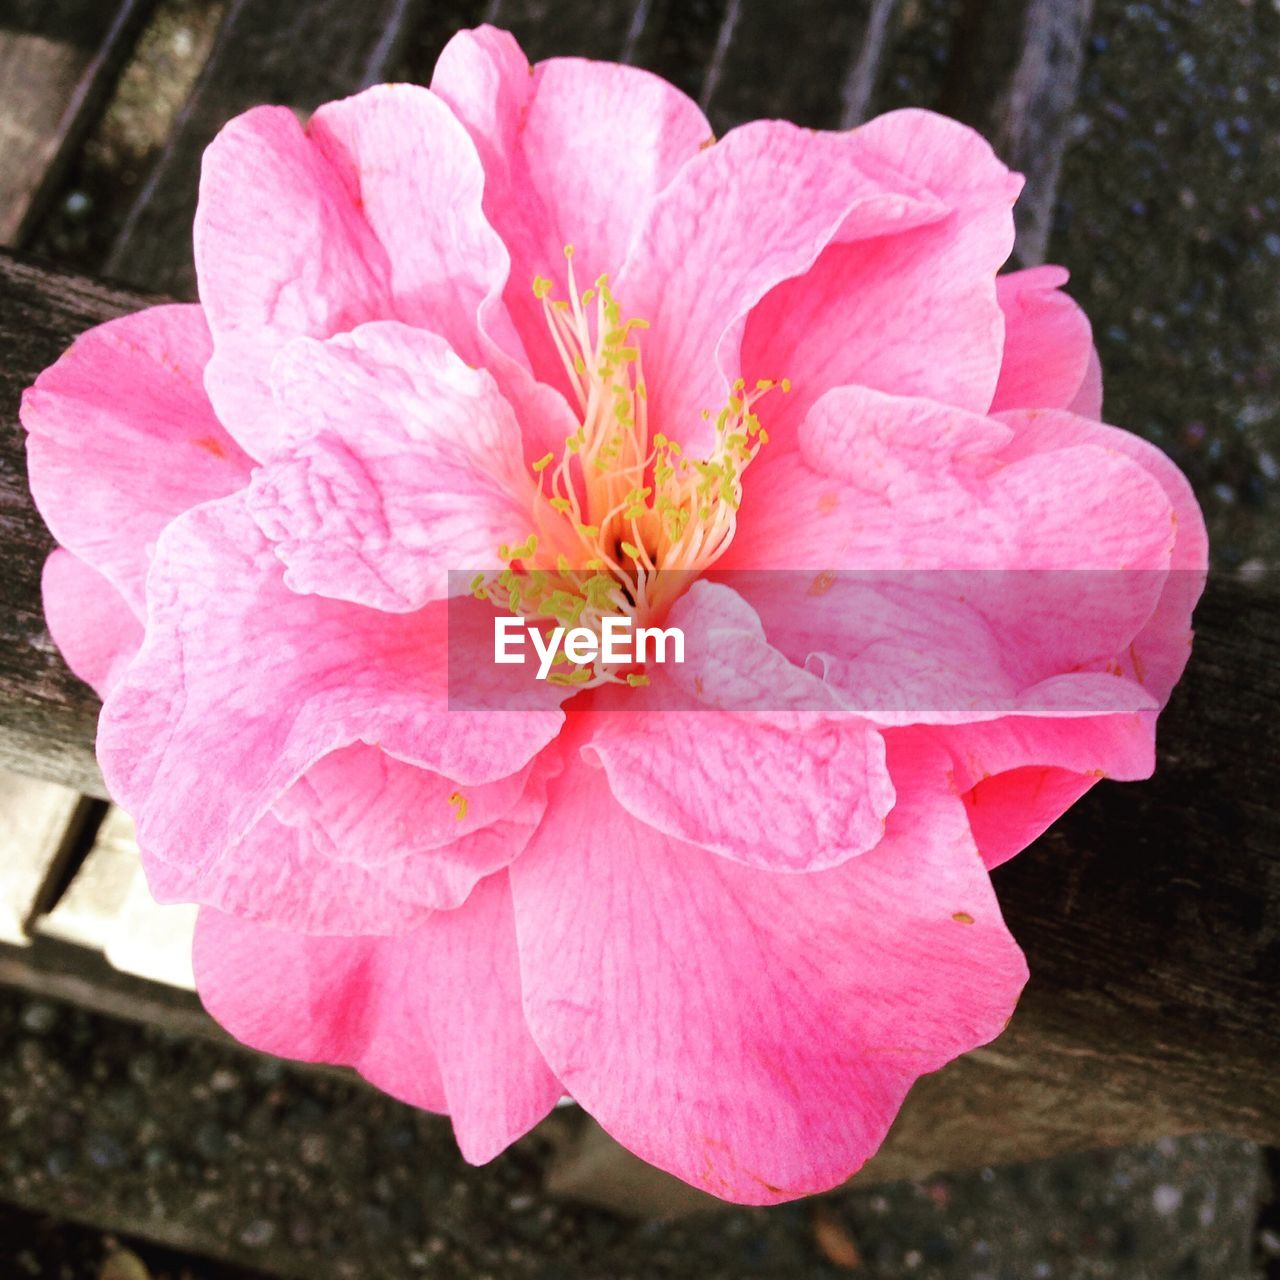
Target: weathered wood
column 773, row 60
column 39, row 825
column 47, row 717
column 299, row 53
column 1015, row 76
column 608, row 29
column 57, row 61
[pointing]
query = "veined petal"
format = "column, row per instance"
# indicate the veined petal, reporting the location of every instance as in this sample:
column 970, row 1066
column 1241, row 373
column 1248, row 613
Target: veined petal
column 765, row 1055
column 121, row 439
column 405, row 463
column 574, row 153
column 241, row 680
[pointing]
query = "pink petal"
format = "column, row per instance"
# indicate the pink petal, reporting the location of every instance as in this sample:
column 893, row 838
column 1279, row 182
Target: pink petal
column 755, row 1033
column 1088, row 400
column 373, row 212
column 778, row 792
column 406, row 464
column 91, row 624
column 1048, row 342
column 433, row 1018
column 1159, row 653
column 717, row 240
column 242, row 686
column 914, row 313
column 574, row 152
column 122, row 439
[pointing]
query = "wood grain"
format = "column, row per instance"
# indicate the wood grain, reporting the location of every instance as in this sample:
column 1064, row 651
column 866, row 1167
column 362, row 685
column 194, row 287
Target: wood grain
column 773, row 60
column 298, row 53
column 1015, row 77
column 47, row 717
column 57, row 61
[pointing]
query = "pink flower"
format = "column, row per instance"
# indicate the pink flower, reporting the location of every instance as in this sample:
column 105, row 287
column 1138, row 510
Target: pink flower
column 736, row 933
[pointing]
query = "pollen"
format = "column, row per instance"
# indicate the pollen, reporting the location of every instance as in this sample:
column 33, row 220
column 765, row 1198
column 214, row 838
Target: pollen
column 625, row 516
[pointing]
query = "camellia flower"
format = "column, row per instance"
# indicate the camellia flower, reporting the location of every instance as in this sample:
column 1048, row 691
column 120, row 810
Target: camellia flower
column 537, row 324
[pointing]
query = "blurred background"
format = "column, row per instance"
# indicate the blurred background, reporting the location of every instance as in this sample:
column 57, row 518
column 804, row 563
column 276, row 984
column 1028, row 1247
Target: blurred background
column 135, row 1141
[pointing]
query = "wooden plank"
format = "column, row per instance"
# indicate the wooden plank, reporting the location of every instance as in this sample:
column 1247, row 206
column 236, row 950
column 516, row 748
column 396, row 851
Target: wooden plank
column 1021, row 94
column 296, row 52
column 108, row 908
column 39, row 824
column 608, row 29
column 47, row 717
column 773, row 60
column 57, row 61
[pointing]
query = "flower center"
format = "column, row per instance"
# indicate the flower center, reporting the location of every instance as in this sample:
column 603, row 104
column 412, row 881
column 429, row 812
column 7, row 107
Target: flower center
column 623, row 519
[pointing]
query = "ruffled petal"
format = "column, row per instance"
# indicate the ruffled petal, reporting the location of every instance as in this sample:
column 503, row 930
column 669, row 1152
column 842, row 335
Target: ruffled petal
column 574, row 153
column 242, row 686
column 1048, row 342
column 404, row 464
column 763, row 1055
column 913, row 313
column 768, row 788
column 122, row 439
column 693, row 274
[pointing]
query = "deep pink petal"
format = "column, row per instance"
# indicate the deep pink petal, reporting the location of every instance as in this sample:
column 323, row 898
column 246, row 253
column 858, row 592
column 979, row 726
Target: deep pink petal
column 89, row 620
column 1048, row 342
column 122, row 439
column 406, row 464
column 755, row 1033
column 242, row 686
column 1159, row 653
column 433, row 1018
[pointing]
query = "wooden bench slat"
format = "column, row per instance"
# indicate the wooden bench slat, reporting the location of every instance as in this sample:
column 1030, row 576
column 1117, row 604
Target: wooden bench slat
column 57, row 60
column 772, row 60
column 608, row 29
column 39, row 823
column 298, row 53
column 1020, row 92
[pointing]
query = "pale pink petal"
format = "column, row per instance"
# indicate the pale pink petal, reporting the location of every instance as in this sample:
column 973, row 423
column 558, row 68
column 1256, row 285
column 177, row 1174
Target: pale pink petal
column 406, row 464
column 694, row 273
column 755, row 1033
column 914, row 313
column 352, row 866
column 275, row 876
column 574, row 153
column 420, row 187
column 433, row 1018
column 282, row 249
column 756, row 783
column 1048, row 342
column 122, row 438
column 89, row 620
column 241, row 686
column 373, row 212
